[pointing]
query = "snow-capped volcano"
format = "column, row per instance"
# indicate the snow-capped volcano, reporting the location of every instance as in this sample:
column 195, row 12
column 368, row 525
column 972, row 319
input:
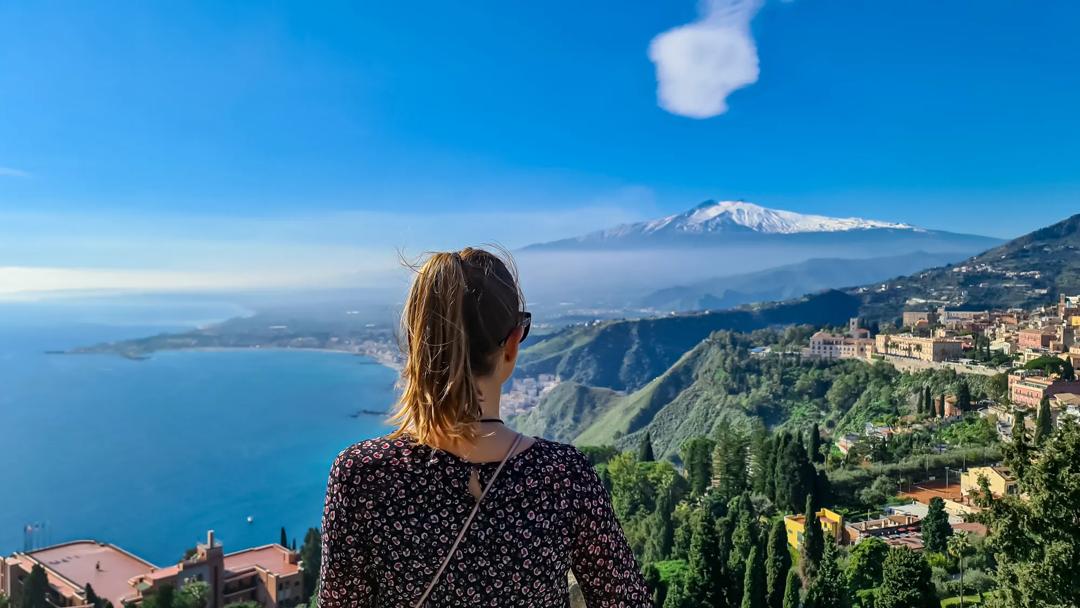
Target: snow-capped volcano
column 726, row 224
column 712, row 216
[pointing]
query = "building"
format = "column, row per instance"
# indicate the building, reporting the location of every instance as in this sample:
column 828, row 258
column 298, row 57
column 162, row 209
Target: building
column 831, row 523
column 952, row 315
column 916, row 318
column 1034, row 338
column 825, row 345
column 884, row 527
column 913, row 347
column 270, row 575
column 1027, row 388
column 70, row 567
column 1001, row 480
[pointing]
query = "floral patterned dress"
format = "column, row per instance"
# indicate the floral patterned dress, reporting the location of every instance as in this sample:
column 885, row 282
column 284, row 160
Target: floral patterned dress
column 394, row 507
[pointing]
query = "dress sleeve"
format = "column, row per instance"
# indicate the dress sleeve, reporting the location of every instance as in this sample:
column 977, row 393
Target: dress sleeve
column 601, row 559
column 343, row 579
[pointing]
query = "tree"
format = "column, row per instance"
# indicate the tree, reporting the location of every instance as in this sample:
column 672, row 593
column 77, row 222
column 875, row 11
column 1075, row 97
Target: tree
column 905, row 581
column 284, row 542
column 935, row 526
column 963, row 396
column 777, row 564
column 194, row 594
column 1018, row 454
column 1067, row 371
column 791, row 590
column 958, row 547
column 697, row 457
column 1035, row 540
column 754, row 581
column 1043, row 422
column 813, row 444
column 645, row 449
column 928, row 401
column 311, row 558
column 162, row 598
column 676, row 593
column 795, row 477
column 828, row 590
column 35, row 588
column 656, row 586
column 744, row 538
column 813, row 544
column 4, row 601
column 92, row 598
column 704, row 577
column 662, row 538
column 729, row 466
column 864, row 564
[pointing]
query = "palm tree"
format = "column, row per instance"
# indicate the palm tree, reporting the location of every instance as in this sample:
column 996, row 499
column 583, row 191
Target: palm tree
column 958, row 546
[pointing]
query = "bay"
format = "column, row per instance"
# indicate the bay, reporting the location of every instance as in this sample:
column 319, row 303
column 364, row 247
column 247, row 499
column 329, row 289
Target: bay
column 150, row 454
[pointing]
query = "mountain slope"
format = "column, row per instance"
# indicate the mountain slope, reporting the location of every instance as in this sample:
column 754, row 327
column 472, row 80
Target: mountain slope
column 1027, row 271
column 565, row 410
column 625, row 355
column 791, row 281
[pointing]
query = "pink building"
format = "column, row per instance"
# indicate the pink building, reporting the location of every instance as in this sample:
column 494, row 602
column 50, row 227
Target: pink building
column 1034, row 338
column 270, row 575
column 1027, row 389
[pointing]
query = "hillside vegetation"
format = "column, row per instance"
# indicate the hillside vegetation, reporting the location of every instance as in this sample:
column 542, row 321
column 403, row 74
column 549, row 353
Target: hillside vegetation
column 626, row 355
column 723, row 381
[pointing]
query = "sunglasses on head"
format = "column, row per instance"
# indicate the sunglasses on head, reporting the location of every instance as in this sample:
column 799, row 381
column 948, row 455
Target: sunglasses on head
column 524, row 322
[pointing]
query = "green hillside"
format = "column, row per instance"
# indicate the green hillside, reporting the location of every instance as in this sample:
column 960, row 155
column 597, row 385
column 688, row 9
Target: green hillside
column 626, row 355
column 565, row 410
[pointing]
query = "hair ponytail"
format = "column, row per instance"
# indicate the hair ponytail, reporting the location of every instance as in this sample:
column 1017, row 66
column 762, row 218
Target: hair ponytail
column 457, row 307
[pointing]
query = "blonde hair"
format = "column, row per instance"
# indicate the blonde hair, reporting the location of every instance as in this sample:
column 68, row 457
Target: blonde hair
column 460, row 309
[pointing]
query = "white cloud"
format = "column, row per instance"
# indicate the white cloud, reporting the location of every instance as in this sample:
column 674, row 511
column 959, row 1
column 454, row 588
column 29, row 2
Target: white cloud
column 12, row 172
column 699, row 64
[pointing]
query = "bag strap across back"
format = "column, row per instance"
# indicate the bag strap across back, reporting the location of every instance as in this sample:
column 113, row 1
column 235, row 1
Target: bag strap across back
column 468, row 522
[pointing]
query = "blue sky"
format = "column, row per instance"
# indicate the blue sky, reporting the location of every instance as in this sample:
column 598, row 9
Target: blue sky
column 217, row 143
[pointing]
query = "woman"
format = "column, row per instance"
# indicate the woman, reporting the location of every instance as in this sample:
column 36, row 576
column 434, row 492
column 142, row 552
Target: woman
column 454, row 508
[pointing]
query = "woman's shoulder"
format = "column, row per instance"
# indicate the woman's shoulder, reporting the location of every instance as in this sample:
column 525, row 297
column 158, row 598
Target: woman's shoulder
column 561, row 454
column 370, row 454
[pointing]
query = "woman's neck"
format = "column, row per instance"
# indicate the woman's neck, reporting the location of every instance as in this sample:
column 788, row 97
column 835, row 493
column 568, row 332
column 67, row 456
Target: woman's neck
column 490, row 390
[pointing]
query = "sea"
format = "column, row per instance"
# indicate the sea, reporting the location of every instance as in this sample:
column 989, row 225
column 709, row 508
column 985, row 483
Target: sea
column 150, row 454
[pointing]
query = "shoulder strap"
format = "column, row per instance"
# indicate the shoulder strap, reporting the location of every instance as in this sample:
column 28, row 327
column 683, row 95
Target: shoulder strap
column 468, row 522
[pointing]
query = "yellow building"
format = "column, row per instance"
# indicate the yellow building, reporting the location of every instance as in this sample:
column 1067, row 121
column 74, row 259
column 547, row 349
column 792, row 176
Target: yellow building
column 1001, row 480
column 831, row 523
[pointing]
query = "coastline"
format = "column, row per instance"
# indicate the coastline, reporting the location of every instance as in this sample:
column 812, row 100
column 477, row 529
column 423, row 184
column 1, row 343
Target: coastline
column 376, row 358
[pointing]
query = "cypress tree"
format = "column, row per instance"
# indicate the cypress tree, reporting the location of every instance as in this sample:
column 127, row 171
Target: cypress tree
column 828, row 589
column 935, row 526
column 311, row 557
column 1067, row 371
column 645, row 450
column 777, row 565
column 1043, row 423
column 813, row 447
column 92, row 598
column 284, row 542
column 813, row 543
column 963, row 396
column 754, row 581
column 704, row 576
column 35, row 588
column 1018, row 455
column 791, row 590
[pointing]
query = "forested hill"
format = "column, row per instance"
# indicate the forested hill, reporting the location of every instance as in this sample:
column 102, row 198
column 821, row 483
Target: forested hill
column 1024, row 272
column 625, row 355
